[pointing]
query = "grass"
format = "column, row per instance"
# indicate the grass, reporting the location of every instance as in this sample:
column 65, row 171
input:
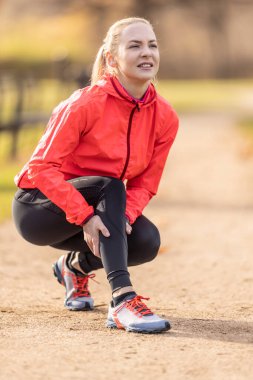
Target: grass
column 7, row 189
column 206, row 95
column 246, row 127
column 185, row 96
column 8, row 168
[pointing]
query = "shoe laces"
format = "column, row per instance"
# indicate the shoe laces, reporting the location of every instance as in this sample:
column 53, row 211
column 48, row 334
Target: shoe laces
column 81, row 285
column 137, row 306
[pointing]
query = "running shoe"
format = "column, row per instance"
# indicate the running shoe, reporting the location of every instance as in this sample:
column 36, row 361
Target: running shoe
column 77, row 295
column 133, row 315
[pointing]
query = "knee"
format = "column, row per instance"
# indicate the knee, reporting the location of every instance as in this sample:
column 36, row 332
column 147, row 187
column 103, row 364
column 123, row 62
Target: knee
column 153, row 245
column 115, row 190
column 150, row 243
column 116, row 184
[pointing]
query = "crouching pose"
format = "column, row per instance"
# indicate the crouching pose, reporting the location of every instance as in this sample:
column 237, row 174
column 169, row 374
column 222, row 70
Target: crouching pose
column 94, row 170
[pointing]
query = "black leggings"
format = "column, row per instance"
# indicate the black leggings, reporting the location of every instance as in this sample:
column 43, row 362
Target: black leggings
column 41, row 222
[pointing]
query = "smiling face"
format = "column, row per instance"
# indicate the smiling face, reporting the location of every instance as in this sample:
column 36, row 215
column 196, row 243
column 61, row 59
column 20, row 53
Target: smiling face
column 137, row 59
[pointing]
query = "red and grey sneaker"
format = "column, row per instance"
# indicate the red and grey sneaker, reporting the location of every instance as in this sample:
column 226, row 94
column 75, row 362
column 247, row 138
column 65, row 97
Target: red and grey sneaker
column 77, row 293
column 133, row 315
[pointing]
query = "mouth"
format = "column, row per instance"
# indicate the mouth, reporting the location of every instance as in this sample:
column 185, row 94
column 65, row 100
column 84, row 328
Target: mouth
column 145, row 65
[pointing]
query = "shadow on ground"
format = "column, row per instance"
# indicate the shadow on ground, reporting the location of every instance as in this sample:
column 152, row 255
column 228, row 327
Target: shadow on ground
column 211, row 329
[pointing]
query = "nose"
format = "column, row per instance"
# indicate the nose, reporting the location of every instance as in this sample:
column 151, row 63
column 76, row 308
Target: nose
column 146, row 51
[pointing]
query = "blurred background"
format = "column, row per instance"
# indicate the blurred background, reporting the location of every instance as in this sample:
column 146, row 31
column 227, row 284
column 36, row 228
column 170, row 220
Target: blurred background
column 47, row 49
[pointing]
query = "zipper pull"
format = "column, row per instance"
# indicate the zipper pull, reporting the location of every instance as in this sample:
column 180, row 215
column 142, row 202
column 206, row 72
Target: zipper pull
column 137, row 106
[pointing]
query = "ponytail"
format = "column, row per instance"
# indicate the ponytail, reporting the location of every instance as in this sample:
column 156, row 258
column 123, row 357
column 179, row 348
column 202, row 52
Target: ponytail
column 99, row 66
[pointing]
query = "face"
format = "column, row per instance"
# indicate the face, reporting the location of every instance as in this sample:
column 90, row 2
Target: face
column 137, row 59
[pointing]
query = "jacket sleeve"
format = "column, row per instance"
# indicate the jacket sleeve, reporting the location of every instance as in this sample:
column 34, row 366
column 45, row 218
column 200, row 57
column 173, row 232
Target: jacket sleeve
column 140, row 189
column 60, row 139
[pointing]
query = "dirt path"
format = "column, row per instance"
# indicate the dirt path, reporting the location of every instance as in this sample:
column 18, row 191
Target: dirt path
column 202, row 281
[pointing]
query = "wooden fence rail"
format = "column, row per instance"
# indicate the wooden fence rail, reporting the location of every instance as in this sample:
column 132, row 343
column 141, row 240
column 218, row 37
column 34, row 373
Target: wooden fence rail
column 22, row 116
column 19, row 119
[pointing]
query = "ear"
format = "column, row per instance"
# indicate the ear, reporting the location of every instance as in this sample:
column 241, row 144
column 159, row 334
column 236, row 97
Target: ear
column 110, row 59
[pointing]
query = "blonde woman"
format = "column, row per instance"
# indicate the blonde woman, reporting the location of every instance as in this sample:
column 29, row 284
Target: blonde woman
column 95, row 169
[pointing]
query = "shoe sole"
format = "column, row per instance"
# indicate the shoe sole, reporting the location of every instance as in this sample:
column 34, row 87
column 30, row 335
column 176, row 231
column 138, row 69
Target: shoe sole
column 87, row 307
column 57, row 274
column 112, row 325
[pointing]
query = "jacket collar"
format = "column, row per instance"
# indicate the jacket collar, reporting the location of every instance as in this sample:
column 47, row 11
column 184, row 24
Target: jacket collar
column 112, row 86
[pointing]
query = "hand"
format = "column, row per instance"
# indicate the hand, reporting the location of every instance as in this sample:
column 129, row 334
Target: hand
column 128, row 228
column 91, row 233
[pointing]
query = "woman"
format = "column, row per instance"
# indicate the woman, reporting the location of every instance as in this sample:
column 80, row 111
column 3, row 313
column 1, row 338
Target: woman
column 95, row 169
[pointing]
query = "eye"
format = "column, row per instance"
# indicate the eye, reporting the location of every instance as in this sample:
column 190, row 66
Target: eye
column 133, row 46
column 153, row 46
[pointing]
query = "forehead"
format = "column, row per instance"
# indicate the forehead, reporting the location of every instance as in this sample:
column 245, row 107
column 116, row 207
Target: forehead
column 138, row 31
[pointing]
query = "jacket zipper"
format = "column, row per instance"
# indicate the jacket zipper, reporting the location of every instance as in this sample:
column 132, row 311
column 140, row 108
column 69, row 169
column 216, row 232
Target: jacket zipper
column 128, row 138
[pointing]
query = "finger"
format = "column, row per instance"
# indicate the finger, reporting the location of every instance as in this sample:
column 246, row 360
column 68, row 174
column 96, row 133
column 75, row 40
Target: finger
column 87, row 241
column 90, row 245
column 128, row 229
column 96, row 248
column 104, row 230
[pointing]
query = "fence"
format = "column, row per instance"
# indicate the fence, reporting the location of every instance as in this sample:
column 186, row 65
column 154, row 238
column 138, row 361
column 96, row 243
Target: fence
column 26, row 101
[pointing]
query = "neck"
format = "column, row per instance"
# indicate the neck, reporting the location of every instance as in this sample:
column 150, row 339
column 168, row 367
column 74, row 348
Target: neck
column 136, row 90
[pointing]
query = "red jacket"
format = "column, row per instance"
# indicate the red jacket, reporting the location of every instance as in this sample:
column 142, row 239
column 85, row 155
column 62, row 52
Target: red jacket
column 103, row 131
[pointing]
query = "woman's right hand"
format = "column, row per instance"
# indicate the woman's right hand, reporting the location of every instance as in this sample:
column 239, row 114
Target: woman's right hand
column 91, row 233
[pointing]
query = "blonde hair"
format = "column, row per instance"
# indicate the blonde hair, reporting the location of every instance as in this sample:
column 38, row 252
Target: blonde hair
column 111, row 43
